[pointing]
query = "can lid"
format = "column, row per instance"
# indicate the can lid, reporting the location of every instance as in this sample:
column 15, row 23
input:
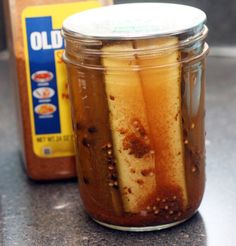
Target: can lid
column 135, row 20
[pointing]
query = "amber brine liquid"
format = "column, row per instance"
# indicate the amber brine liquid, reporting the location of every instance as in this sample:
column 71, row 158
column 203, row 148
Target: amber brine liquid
column 139, row 130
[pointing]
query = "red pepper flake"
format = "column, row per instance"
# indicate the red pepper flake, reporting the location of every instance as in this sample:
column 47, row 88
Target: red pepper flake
column 78, row 126
column 137, row 140
column 136, row 145
column 122, row 131
column 140, row 181
column 138, row 127
column 146, row 172
column 177, row 115
column 112, row 97
column 132, row 170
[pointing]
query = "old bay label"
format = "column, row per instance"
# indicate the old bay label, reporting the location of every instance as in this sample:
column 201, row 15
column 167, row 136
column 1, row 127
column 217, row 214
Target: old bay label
column 50, row 118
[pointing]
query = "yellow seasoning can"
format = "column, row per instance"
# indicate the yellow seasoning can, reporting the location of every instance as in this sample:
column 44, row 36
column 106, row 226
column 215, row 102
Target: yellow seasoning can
column 36, row 47
column 137, row 87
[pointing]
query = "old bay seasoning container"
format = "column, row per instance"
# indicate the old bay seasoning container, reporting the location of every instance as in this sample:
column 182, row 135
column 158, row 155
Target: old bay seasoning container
column 36, row 47
column 137, row 85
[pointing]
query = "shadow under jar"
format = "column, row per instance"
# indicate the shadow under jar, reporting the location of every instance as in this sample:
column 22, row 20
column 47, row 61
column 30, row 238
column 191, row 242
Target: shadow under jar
column 137, row 87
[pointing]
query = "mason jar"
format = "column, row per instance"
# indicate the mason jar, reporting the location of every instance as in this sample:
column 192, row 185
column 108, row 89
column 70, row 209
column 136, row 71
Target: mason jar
column 137, row 88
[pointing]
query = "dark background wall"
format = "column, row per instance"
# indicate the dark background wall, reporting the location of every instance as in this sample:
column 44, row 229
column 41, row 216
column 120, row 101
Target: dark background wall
column 221, row 19
column 2, row 29
column 221, row 16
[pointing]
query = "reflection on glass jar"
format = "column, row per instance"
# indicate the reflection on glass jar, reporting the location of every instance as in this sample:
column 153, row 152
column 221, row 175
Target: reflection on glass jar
column 138, row 113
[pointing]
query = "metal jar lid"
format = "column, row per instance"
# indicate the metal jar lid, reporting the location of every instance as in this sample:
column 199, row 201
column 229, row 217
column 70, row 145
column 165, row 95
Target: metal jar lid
column 134, row 21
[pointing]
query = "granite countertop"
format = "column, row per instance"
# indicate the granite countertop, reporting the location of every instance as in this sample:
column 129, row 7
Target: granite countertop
column 51, row 213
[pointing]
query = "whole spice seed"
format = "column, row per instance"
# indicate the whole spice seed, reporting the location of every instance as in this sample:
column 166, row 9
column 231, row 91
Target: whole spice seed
column 135, row 123
column 109, row 145
column 194, row 169
column 143, row 213
column 85, row 142
column 114, row 177
column 78, row 126
column 86, row 181
column 192, row 126
column 92, row 129
column 186, row 141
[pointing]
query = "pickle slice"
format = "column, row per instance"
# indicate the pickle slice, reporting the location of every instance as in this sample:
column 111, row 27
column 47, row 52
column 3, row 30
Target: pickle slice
column 130, row 133
column 162, row 92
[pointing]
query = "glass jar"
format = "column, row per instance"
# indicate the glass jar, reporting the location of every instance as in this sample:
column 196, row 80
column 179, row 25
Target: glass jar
column 137, row 87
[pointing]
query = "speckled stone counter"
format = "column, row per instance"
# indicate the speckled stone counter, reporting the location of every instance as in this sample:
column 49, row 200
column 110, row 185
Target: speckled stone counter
column 51, row 213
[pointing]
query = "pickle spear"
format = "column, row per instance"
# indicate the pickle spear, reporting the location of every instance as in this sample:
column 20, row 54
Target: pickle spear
column 162, row 94
column 130, row 132
column 146, row 123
